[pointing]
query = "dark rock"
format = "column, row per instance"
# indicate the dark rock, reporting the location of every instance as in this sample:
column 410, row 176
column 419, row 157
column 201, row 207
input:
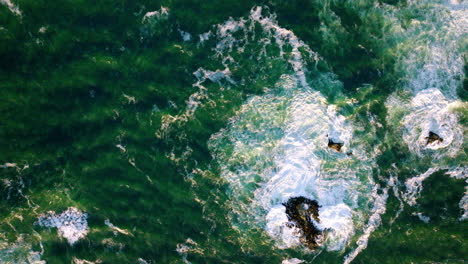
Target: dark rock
column 433, row 137
column 301, row 211
column 335, row 145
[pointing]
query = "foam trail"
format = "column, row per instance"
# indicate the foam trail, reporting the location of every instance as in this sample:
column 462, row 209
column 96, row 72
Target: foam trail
column 228, row 42
column 189, row 246
column 8, row 165
column 84, row 261
column 461, row 173
column 464, row 205
column 185, row 35
column 154, row 16
column 13, row 8
column 71, row 224
column 196, row 99
column 425, row 219
column 19, row 252
column 393, row 182
column 374, row 222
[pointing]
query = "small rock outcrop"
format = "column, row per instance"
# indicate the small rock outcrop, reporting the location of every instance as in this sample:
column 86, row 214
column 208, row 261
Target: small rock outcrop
column 433, row 137
column 302, row 212
column 334, row 145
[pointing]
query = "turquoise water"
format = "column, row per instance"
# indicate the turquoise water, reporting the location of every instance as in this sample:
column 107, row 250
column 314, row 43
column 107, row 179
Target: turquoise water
column 174, row 131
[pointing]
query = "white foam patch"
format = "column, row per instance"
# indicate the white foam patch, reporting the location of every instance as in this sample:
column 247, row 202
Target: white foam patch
column 464, row 205
column 292, row 261
column 185, row 35
column 433, row 46
column 393, row 183
column 432, row 62
column 157, row 15
column 430, row 111
column 441, row 69
column 13, row 8
column 19, row 253
column 117, row 229
column 84, row 261
column 276, row 148
column 459, row 16
column 414, row 186
column 458, row 173
column 8, row 165
column 142, row 261
column 300, row 172
column 276, row 227
column 71, row 224
column 228, row 42
column 374, row 222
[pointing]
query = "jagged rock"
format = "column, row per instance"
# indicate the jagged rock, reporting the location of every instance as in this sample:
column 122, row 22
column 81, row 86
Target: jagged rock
column 433, row 137
column 302, row 212
column 334, row 145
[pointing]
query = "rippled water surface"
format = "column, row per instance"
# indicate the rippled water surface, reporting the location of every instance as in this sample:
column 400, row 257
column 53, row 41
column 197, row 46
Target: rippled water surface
column 177, row 131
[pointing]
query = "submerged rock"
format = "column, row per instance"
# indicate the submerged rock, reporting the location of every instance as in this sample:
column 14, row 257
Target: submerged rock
column 302, row 213
column 433, row 137
column 335, row 145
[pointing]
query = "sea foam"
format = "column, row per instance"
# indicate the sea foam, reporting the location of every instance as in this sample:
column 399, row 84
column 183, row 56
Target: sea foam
column 432, row 70
column 12, row 7
column 71, row 224
column 429, row 111
column 19, row 252
column 414, row 187
column 275, row 148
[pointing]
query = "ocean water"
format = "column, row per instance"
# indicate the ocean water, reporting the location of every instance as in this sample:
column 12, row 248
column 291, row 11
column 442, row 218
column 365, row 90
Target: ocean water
column 176, row 131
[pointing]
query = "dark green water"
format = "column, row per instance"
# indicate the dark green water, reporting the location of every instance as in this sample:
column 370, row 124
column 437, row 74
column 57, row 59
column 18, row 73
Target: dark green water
column 179, row 145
